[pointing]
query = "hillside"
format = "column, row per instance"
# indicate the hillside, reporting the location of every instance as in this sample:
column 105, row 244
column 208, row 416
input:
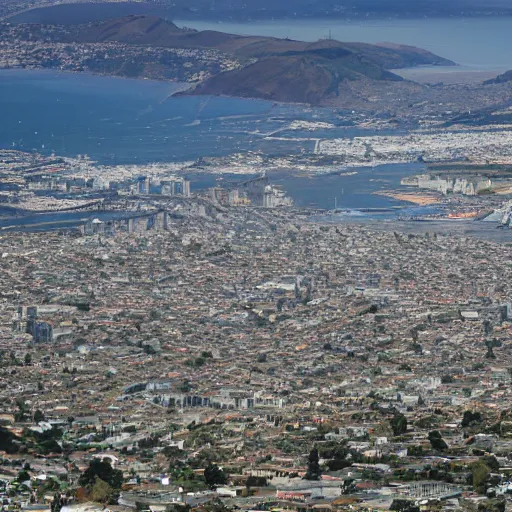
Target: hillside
column 276, row 69
column 157, row 32
column 500, row 79
column 307, row 78
column 227, row 64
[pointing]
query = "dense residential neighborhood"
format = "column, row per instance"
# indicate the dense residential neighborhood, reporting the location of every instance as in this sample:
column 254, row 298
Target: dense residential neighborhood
column 246, row 358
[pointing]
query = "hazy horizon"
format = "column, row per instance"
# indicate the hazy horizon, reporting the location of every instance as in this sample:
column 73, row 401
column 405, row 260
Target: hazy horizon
column 225, row 10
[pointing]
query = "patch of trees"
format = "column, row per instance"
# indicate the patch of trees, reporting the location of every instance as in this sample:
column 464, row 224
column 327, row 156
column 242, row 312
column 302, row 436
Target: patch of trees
column 400, row 505
column 23, row 412
column 339, row 456
column 45, row 442
column 491, row 345
column 436, row 441
column 196, row 363
column 38, row 416
column 415, row 451
column 256, row 481
column 398, row 424
column 471, row 418
column 214, row 476
column 313, row 472
column 480, row 475
column 101, row 482
column 149, row 442
column 8, row 441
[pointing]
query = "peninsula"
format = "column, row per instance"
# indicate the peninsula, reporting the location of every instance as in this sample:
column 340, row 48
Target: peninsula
column 215, row 63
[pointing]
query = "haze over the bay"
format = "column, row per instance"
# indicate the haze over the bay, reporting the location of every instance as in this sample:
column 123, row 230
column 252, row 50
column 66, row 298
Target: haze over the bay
column 469, row 32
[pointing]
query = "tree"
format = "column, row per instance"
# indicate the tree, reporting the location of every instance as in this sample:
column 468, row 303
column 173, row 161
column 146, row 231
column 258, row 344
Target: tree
column 185, row 386
column 493, row 505
column 28, row 358
column 101, row 492
column 56, row 505
column 8, row 441
column 215, row 505
column 401, row 505
column 470, row 418
column 214, row 476
column 262, row 358
column 104, row 471
column 415, row 451
column 480, row 473
column 491, row 462
column 38, row 416
column 255, row 481
column 23, row 476
column 348, row 486
column 398, row 424
column 436, row 440
column 22, row 413
column 491, row 345
column 488, row 327
column 313, row 472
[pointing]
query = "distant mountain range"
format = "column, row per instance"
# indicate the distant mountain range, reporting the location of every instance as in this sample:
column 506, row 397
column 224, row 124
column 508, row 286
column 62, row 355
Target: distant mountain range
column 275, row 69
column 341, row 8
column 258, row 10
column 157, row 32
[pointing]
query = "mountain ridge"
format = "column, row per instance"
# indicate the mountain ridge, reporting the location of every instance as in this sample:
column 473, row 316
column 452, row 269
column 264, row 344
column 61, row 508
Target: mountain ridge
column 282, row 70
column 154, row 31
column 316, row 70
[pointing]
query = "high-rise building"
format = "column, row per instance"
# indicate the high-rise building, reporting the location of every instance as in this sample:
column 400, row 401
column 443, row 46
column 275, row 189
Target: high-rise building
column 143, row 185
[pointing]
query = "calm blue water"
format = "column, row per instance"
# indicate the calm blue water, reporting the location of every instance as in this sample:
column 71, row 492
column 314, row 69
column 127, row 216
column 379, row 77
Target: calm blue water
column 350, row 193
column 118, row 121
column 325, row 191
column 482, row 43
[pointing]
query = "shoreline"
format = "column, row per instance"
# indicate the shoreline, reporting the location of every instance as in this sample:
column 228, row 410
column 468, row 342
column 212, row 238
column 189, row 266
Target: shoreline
column 178, row 93
column 419, row 199
column 88, row 73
